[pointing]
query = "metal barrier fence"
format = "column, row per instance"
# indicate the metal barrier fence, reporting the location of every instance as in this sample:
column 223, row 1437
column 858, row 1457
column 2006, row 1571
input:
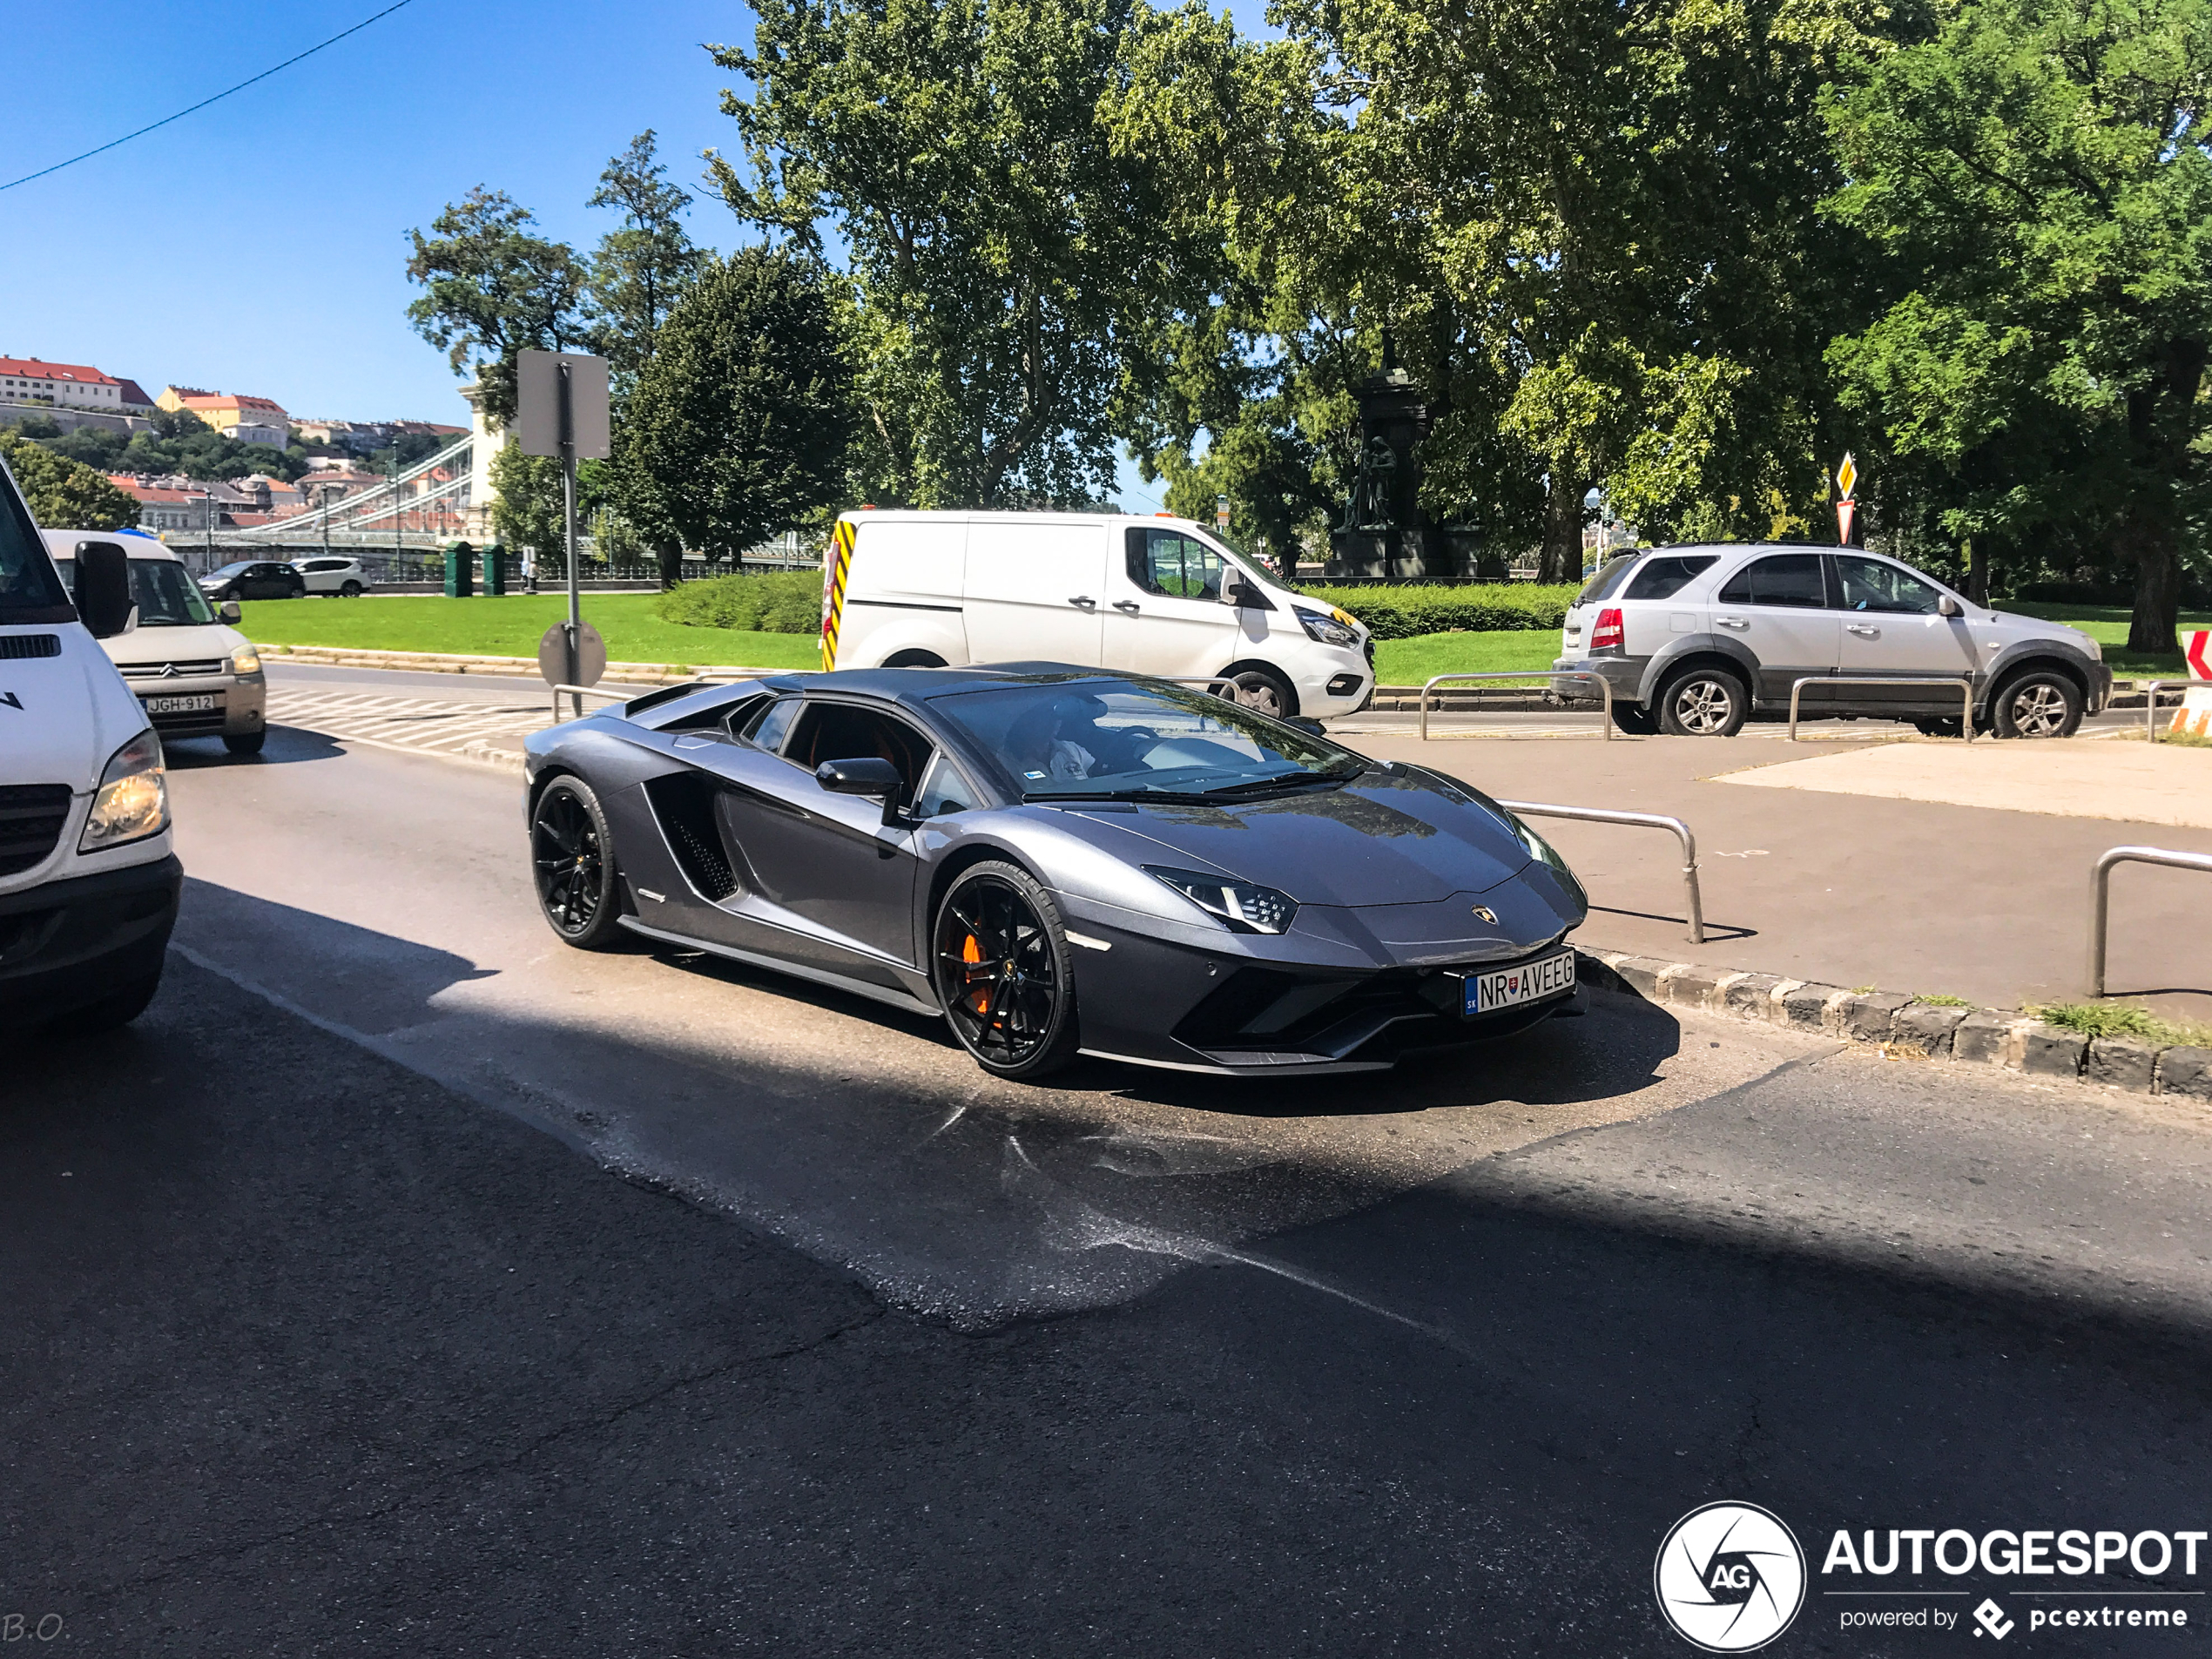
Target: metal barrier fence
column 1641, row 821
column 1965, row 689
column 2101, row 889
column 2151, row 690
column 1604, row 687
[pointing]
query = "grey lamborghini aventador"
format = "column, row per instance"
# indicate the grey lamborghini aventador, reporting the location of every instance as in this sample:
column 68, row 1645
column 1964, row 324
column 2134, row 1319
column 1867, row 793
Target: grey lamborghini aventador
column 1060, row 860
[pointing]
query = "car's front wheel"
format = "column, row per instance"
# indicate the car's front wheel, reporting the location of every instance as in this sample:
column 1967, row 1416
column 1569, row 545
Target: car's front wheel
column 1703, row 703
column 572, row 856
column 245, row 743
column 2040, row 704
column 1002, row 972
column 1265, row 690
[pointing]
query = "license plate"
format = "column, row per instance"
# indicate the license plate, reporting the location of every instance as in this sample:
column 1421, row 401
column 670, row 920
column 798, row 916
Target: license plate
column 206, row 703
column 1506, row 987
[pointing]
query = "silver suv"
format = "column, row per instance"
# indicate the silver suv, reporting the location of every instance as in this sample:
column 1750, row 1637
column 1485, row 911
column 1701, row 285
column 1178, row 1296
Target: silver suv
column 1694, row 640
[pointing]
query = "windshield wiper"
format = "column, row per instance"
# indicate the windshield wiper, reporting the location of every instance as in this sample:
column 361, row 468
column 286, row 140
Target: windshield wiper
column 1173, row 797
column 1279, row 783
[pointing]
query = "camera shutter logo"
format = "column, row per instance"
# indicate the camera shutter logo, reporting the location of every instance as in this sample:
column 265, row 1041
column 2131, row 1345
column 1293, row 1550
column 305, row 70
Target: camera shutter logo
column 1730, row 1577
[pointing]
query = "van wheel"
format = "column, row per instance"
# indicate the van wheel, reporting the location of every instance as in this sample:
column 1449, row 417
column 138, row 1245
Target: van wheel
column 1265, row 690
column 1703, row 703
column 914, row 659
column 2040, row 704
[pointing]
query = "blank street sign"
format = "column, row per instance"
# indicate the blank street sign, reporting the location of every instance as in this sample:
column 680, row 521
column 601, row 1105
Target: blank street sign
column 537, row 398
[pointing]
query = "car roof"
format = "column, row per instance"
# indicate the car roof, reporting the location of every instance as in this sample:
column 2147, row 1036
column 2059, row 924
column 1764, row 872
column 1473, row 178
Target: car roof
column 62, row 544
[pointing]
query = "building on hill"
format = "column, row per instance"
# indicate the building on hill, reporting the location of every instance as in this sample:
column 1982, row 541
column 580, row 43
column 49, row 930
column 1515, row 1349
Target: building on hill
column 70, row 386
column 135, row 401
column 247, row 420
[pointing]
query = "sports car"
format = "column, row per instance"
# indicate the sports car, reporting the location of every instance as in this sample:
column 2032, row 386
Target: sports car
column 1060, row 861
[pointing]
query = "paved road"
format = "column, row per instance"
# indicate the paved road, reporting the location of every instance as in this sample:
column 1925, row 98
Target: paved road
column 312, row 1350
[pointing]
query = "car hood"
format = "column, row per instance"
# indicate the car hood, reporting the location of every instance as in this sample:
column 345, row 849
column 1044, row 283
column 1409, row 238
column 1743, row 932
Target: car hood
column 1383, row 839
column 194, row 642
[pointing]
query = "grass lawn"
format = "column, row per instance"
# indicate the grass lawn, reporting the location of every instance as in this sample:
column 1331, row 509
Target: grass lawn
column 2107, row 625
column 1409, row 662
column 512, row 626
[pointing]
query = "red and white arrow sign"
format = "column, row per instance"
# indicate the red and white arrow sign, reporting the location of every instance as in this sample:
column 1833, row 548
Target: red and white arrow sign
column 2197, row 647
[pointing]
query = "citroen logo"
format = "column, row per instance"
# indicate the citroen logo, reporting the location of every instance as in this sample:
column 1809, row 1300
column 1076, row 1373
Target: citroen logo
column 169, row 671
column 1486, row 914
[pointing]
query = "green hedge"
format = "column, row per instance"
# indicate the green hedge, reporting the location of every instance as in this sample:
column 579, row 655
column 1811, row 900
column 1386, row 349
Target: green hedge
column 778, row 602
column 1485, row 607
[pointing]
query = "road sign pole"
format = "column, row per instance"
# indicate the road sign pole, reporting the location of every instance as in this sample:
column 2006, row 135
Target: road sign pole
column 567, row 525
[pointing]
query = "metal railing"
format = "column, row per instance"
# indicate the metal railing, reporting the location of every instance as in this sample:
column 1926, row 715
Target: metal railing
column 2150, row 702
column 1965, row 690
column 1604, row 686
column 1640, row 820
column 579, row 692
column 2101, row 889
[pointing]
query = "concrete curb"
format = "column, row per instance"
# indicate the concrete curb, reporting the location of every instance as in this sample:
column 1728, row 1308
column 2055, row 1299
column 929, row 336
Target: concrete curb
column 518, row 667
column 2001, row 1037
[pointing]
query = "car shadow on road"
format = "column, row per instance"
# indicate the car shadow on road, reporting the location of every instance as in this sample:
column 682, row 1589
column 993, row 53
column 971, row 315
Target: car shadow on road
column 286, row 746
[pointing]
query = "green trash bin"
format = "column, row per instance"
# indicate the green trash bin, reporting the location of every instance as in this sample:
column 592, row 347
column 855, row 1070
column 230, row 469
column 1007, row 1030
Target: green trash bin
column 461, row 574
column 494, row 569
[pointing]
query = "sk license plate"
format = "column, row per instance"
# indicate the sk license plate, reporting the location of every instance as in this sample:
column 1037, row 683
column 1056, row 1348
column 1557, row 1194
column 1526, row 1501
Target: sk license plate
column 204, row 704
column 1506, row 987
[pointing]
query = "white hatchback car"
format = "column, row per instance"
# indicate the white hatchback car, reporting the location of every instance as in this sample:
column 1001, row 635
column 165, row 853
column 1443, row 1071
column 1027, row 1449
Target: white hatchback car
column 333, row 574
column 1694, row 640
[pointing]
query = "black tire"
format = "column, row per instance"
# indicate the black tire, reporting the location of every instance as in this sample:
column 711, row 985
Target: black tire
column 572, row 865
column 1634, row 719
column 1265, row 690
column 1936, row 725
column 1703, row 703
column 914, row 659
column 1002, row 972
column 119, row 1008
column 2042, row 703
column 350, row 589
column 245, row 743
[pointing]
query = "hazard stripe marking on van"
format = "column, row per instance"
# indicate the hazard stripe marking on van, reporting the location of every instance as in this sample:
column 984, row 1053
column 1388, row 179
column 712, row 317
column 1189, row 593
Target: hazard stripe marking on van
column 833, row 590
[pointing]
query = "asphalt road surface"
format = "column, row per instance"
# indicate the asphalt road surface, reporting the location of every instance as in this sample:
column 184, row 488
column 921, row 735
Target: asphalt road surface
column 406, row 1283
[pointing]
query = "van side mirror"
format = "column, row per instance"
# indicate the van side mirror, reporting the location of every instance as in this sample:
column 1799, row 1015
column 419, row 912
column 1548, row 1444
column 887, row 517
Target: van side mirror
column 103, row 589
column 1947, row 606
column 228, row 612
column 1238, row 593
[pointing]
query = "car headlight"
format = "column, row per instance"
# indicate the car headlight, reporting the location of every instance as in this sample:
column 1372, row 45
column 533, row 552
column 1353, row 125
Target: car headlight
column 1238, row 905
column 1334, row 628
column 133, row 799
column 247, row 659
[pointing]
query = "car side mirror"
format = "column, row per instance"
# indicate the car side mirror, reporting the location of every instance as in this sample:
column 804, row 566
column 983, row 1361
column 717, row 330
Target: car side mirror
column 1947, row 606
column 228, row 612
column 866, row 775
column 104, row 590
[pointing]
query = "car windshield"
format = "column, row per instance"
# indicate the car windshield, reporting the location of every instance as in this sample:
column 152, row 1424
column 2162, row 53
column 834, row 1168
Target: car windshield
column 1132, row 740
column 166, row 597
column 29, row 589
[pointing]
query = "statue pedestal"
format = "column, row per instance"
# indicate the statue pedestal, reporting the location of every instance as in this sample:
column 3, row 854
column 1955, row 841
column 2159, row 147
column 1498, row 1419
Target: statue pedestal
column 1427, row 553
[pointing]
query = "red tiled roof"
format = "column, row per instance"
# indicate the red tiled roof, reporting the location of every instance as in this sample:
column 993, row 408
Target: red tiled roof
column 134, row 393
column 31, row 368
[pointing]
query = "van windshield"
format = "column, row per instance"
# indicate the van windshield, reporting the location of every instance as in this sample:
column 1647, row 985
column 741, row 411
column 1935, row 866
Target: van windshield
column 30, row 589
column 166, row 596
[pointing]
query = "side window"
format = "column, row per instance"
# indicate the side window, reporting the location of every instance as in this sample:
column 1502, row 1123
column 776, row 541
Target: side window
column 1869, row 584
column 1172, row 564
column 944, row 790
column 1664, row 578
column 1790, row 579
column 840, row 732
column 771, row 724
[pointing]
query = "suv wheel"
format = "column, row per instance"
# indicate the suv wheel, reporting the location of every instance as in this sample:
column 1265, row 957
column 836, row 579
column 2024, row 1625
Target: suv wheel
column 351, row 589
column 1634, row 719
column 1703, row 703
column 2040, row 704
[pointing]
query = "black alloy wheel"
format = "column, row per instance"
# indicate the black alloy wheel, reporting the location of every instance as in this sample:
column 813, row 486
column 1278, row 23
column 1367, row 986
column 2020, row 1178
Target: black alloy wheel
column 1703, row 703
column 2040, row 704
column 572, row 858
column 1002, row 973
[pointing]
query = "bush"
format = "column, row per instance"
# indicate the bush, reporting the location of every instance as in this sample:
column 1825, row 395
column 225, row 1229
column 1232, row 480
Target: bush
column 1482, row 607
column 778, row 602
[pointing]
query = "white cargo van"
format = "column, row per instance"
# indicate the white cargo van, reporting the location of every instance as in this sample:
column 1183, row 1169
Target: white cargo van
column 89, row 881
column 1146, row 595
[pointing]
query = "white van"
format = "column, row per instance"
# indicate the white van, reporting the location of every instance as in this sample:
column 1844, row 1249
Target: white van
column 196, row 676
column 89, row 881
column 1145, row 596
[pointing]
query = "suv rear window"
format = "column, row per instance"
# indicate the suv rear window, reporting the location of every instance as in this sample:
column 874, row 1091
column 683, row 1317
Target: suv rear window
column 1609, row 577
column 1663, row 578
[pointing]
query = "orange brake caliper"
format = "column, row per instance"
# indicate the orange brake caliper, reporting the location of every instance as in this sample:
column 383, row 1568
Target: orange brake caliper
column 979, row 996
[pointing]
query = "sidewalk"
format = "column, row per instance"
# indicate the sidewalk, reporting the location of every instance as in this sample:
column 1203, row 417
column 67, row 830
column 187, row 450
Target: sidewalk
column 1988, row 902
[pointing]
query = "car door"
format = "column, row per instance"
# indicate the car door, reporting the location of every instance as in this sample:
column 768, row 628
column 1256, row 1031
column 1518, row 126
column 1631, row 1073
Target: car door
column 824, row 867
column 269, row 581
column 1778, row 605
column 1034, row 590
column 1165, row 614
column 1894, row 628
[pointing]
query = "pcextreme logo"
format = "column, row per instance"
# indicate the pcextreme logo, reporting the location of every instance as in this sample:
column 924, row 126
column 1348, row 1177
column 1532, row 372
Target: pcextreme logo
column 1730, row 1577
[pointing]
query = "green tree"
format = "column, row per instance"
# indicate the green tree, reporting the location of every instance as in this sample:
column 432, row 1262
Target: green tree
column 65, row 495
column 493, row 289
column 642, row 267
column 998, row 247
column 2037, row 176
column 738, row 429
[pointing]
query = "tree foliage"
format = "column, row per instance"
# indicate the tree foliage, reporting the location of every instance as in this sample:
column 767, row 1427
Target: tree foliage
column 738, row 429
column 63, row 494
column 493, row 289
column 642, row 267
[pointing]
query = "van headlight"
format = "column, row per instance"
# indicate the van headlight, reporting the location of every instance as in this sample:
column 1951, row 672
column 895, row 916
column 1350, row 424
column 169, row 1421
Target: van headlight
column 133, row 799
column 1238, row 905
column 1334, row 628
column 247, row 659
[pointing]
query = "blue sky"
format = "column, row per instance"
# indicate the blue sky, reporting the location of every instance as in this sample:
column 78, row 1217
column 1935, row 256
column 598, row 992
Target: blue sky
column 257, row 245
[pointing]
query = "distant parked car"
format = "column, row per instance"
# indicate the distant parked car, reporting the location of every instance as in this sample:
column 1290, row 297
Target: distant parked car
column 1694, row 639
column 249, row 580
column 334, row 574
